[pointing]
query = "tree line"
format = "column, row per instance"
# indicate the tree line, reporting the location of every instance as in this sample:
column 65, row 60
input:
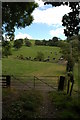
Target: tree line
column 51, row 42
column 17, row 44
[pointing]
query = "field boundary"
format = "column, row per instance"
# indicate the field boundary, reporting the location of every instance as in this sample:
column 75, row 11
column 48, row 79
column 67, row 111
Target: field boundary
column 34, row 82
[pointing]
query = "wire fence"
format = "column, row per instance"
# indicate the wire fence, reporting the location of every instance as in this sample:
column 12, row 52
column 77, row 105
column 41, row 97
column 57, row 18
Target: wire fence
column 35, row 82
column 30, row 82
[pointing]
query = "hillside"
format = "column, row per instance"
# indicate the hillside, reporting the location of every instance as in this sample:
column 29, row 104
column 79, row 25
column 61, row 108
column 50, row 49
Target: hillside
column 14, row 65
column 51, row 52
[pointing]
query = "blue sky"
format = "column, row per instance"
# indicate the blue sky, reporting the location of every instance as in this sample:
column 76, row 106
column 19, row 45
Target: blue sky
column 46, row 24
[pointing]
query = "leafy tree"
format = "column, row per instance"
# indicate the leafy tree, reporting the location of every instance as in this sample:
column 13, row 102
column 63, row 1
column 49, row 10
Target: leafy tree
column 60, row 43
column 54, row 41
column 70, row 20
column 44, row 42
column 38, row 42
column 65, row 49
column 70, row 64
column 70, row 47
column 2, row 38
column 79, row 43
column 50, row 42
column 40, row 56
column 17, row 44
column 6, row 48
column 16, row 14
column 28, row 43
column 21, row 40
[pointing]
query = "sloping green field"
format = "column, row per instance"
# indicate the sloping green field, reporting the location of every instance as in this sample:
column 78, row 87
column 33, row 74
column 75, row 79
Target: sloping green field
column 22, row 67
column 52, row 52
column 12, row 65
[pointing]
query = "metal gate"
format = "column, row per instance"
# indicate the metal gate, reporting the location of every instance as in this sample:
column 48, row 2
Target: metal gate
column 46, row 83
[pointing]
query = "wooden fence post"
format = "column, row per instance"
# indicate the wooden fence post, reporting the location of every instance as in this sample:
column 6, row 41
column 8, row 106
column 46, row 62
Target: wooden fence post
column 68, row 86
column 70, row 81
column 61, row 83
column 34, row 82
column 71, row 88
column 8, row 80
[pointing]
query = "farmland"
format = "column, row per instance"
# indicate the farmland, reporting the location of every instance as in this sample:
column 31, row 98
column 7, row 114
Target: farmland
column 13, row 65
column 25, row 104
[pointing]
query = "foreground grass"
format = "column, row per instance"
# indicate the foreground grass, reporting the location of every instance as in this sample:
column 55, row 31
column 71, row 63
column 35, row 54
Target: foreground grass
column 20, row 105
column 66, row 106
column 21, row 67
column 26, row 104
column 76, row 77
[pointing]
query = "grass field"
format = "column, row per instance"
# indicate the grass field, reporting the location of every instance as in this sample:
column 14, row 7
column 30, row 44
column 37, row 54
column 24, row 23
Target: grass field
column 22, row 104
column 12, row 65
column 32, row 52
column 22, row 67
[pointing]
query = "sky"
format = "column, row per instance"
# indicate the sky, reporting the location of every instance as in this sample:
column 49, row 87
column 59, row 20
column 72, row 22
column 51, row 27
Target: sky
column 46, row 24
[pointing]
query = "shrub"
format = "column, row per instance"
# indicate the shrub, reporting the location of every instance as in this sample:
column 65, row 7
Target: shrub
column 17, row 44
column 28, row 43
column 70, row 64
column 21, row 57
column 40, row 56
column 38, row 42
column 6, row 48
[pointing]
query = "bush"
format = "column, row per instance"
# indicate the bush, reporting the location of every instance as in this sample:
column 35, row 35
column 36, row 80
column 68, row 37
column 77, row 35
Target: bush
column 40, row 56
column 70, row 64
column 67, row 106
column 38, row 42
column 68, row 114
column 28, row 43
column 6, row 48
column 17, row 44
column 21, row 57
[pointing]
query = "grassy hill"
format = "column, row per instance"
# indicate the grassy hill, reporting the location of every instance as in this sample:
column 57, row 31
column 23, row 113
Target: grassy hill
column 22, row 67
column 13, row 65
column 32, row 52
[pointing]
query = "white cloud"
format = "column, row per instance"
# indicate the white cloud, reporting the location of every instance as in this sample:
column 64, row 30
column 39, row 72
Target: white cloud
column 51, row 15
column 22, row 35
column 40, row 3
column 59, row 32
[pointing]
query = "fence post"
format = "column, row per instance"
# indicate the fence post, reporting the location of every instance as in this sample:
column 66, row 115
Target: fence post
column 71, row 88
column 8, row 80
column 68, row 86
column 61, row 83
column 34, row 82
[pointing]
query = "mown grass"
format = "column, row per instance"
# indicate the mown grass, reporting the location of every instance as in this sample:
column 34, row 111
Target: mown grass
column 13, row 66
column 22, row 67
